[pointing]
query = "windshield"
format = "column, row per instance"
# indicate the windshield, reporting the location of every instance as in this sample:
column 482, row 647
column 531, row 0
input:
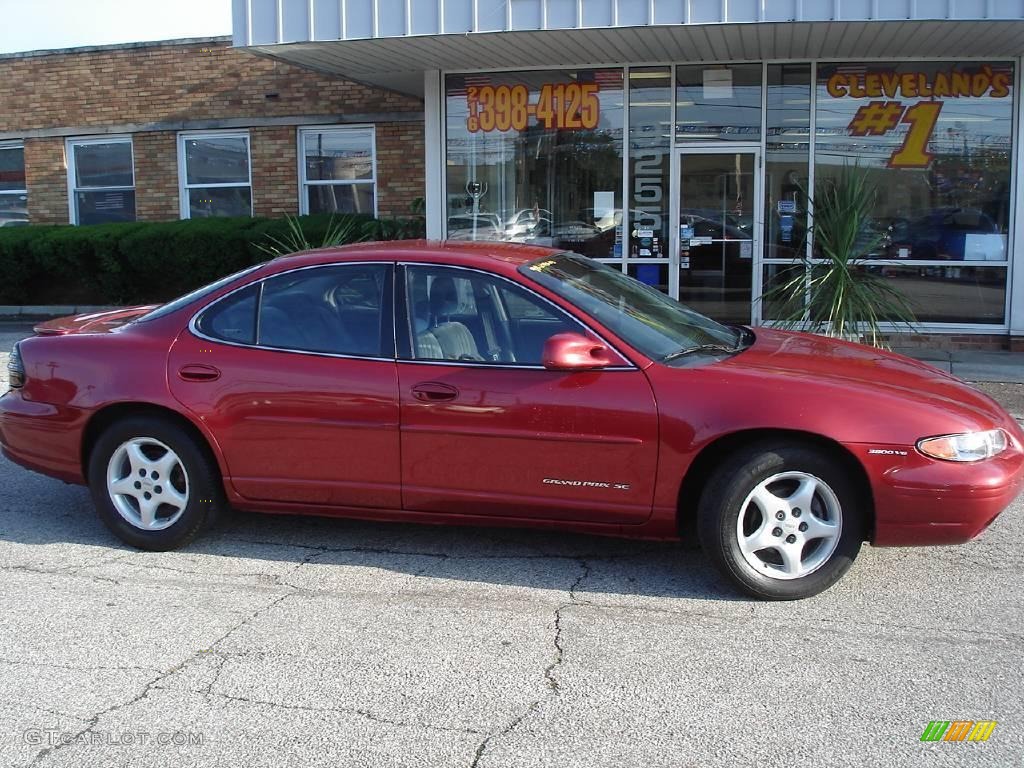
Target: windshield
column 198, row 293
column 645, row 318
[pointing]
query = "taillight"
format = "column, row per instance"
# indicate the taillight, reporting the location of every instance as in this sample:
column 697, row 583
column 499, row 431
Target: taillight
column 16, row 369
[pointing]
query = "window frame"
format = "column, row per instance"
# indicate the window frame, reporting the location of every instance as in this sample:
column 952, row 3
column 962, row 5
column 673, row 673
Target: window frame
column 305, row 183
column 23, row 191
column 387, row 312
column 405, row 339
column 184, row 205
column 69, row 155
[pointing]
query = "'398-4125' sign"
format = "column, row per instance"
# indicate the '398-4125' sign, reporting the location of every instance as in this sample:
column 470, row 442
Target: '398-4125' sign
column 886, row 112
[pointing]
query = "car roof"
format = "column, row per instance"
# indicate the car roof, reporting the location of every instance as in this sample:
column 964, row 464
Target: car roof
column 491, row 256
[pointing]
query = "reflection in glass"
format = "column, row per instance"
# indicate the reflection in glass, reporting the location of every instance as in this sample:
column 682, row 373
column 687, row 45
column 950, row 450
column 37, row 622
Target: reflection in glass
column 12, row 168
column 205, row 202
column 103, row 165
column 955, row 294
column 217, row 160
column 105, row 206
column 650, row 120
column 716, row 234
column 514, row 174
column 718, row 101
column 338, row 155
column 787, row 158
column 340, row 198
column 13, row 210
column 942, row 171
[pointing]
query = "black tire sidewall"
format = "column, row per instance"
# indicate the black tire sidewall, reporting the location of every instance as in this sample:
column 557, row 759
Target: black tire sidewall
column 728, row 488
column 205, row 493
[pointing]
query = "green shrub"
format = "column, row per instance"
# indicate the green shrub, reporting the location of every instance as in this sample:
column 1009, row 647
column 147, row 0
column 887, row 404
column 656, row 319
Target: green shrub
column 141, row 263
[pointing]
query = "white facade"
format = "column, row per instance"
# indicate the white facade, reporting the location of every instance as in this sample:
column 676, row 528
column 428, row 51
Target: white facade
column 411, row 45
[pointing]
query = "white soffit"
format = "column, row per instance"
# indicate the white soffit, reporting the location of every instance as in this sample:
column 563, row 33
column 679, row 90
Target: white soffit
column 391, row 42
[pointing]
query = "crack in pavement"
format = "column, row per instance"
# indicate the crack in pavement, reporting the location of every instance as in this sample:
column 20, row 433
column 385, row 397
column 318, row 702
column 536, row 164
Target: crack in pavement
column 77, row 668
column 364, row 713
column 550, row 677
column 93, row 720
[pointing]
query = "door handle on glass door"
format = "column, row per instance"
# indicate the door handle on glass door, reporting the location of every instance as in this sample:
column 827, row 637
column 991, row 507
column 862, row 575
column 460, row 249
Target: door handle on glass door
column 434, row 392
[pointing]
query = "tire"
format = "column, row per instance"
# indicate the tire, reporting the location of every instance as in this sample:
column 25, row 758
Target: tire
column 156, row 512
column 806, row 551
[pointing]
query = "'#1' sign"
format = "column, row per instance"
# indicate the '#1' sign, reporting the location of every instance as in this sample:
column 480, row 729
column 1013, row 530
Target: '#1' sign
column 508, row 107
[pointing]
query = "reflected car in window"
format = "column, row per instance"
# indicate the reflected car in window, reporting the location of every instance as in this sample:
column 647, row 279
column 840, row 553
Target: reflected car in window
column 502, row 384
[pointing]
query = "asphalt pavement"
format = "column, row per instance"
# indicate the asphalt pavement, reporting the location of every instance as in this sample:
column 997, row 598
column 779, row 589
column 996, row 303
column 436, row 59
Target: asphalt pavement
column 278, row 641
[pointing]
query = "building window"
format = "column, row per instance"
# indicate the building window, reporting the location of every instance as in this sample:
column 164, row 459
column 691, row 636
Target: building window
column 13, row 194
column 101, row 180
column 935, row 141
column 338, row 170
column 216, row 174
column 537, row 157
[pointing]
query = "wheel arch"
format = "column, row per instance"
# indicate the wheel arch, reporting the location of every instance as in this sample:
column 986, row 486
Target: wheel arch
column 112, row 412
column 700, row 469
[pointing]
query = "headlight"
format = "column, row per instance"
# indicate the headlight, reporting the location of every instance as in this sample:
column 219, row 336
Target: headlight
column 970, row 446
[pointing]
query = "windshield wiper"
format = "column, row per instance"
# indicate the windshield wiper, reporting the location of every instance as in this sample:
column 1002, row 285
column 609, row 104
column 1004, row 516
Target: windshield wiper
column 699, row 348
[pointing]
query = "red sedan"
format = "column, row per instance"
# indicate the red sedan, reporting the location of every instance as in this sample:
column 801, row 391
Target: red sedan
column 479, row 383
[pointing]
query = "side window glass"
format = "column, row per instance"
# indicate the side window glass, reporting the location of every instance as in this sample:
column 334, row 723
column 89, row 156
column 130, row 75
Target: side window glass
column 233, row 318
column 460, row 315
column 334, row 310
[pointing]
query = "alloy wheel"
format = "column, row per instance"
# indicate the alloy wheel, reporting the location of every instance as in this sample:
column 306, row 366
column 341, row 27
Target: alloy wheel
column 147, row 483
column 789, row 525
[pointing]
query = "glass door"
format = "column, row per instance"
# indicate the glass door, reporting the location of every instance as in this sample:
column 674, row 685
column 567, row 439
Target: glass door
column 718, row 234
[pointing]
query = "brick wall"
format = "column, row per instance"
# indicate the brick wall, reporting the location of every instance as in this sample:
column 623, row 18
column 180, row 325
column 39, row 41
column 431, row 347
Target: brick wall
column 46, row 177
column 274, row 157
column 199, row 81
column 156, row 175
column 91, row 91
column 400, row 167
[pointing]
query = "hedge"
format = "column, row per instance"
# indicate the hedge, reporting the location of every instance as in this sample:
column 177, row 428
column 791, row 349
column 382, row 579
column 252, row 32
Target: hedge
column 142, row 263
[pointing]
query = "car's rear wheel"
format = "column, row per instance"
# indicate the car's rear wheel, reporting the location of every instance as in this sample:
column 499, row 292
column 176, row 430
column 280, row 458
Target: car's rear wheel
column 153, row 486
column 781, row 521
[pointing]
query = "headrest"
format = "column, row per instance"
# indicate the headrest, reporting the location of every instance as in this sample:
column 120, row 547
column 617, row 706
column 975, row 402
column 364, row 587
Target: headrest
column 444, row 299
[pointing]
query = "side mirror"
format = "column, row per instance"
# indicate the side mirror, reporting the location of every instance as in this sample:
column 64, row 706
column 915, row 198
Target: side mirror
column 575, row 352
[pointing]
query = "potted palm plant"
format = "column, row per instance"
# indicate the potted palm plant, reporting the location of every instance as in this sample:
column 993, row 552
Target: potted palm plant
column 834, row 293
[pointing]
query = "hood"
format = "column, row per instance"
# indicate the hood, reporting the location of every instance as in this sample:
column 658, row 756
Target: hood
column 96, row 322
column 808, row 361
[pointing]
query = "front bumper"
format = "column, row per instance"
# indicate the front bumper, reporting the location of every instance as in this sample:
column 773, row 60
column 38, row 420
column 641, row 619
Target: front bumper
column 42, row 437
column 921, row 501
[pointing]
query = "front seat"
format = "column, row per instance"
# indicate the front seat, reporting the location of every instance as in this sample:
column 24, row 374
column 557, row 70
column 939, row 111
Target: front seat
column 454, row 339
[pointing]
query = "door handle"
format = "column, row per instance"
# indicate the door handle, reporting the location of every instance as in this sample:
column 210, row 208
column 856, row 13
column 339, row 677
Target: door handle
column 434, row 392
column 198, row 372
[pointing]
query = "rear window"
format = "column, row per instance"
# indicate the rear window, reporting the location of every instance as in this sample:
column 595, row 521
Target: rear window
column 196, row 295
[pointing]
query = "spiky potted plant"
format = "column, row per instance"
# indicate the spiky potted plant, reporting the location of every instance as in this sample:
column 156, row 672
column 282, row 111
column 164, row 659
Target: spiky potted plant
column 834, row 293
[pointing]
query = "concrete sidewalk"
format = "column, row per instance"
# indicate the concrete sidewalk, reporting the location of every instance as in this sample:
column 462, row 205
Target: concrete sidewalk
column 971, row 365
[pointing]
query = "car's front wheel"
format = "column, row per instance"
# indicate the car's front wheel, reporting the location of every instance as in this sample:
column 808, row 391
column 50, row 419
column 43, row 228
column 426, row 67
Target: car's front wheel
column 781, row 521
column 153, row 486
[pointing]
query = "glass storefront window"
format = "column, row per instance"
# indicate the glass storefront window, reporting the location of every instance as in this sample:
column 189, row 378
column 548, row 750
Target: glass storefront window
column 718, row 102
column 650, row 155
column 935, row 141
column 536, row 157
column 787, row 160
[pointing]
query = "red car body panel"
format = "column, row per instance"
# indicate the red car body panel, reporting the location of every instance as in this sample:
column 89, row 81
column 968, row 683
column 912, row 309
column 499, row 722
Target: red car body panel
column 598, row 451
